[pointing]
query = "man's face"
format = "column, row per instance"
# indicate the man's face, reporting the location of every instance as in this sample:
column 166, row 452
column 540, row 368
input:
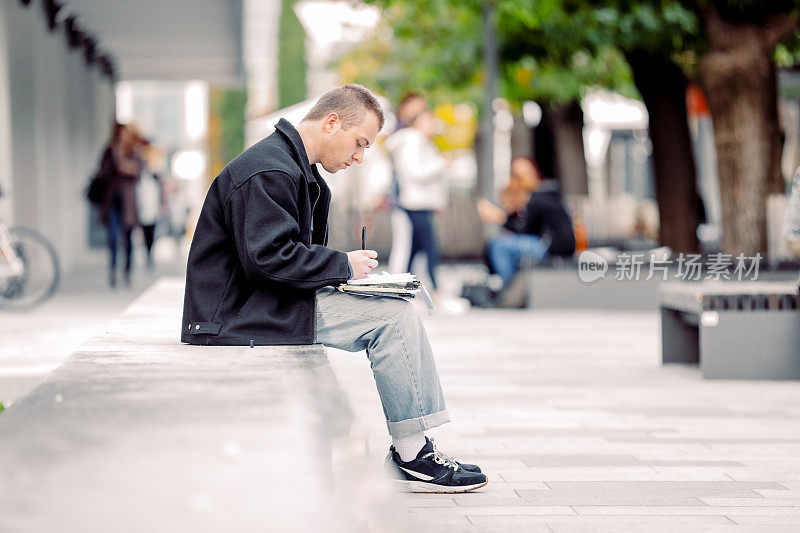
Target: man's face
column 343, row 147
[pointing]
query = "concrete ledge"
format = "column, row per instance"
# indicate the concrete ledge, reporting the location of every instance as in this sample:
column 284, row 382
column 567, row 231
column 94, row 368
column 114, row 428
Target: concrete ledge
column 561, row 288
column 136, row 432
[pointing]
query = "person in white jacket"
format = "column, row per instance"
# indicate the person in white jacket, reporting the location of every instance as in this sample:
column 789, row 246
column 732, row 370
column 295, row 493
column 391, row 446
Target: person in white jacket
column 410, row 105
column 423, row 189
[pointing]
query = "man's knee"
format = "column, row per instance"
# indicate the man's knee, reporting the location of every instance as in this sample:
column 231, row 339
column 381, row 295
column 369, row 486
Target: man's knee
column 397, row 313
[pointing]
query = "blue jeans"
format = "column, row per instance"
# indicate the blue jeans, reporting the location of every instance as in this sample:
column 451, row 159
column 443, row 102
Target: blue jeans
column 423, row 239
column 392, row 333
column 115, row 229
column 508, row 249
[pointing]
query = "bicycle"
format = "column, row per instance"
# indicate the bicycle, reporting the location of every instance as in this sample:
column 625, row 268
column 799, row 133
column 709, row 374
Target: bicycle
column 29, row 271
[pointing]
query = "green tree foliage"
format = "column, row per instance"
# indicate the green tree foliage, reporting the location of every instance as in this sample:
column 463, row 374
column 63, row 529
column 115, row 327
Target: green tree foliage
column 226, row 122
column 437, row 46
column 552, row 50
column 291, row 57
column 433, row 46
column 229, row 105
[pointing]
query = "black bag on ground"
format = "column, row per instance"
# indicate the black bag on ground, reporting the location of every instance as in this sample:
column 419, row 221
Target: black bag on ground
column 478, row 294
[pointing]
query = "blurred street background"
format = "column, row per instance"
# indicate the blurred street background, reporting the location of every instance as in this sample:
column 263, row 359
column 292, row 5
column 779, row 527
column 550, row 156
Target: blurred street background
column 661, row 130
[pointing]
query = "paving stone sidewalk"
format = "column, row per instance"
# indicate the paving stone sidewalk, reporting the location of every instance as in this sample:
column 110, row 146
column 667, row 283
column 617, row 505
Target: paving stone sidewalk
column 36, row 341
column 580, row 428
column 578, row 425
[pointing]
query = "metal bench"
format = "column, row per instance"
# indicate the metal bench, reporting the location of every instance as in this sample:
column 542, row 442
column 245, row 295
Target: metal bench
column 734, row 330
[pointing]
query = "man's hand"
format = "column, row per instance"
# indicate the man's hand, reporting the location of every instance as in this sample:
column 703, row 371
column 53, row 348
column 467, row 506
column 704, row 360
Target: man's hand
column 362, row 262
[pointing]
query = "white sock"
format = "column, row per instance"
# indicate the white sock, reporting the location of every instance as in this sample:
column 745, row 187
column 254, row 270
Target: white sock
column 408, row 447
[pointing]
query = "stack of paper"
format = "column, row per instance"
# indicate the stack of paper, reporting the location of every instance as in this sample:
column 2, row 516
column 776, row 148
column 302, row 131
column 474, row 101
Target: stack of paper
column 398, row 284
column 393, row 285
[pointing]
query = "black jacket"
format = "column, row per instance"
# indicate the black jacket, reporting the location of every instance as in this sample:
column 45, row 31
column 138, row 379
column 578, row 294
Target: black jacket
column 258, row 252
column 545, row 216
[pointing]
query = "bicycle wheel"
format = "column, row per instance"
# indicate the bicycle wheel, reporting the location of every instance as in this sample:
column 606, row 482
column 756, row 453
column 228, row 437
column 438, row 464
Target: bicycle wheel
column 39, row 277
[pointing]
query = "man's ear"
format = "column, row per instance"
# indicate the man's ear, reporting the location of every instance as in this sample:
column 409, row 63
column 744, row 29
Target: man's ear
column 332, row 122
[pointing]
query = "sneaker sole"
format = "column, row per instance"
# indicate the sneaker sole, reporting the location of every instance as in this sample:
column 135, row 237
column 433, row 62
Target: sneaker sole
column 431, row 488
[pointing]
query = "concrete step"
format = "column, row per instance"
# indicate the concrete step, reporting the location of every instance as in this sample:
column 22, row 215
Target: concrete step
column 137, row 432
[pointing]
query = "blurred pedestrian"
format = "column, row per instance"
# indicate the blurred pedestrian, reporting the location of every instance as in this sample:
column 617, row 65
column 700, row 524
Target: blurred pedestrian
column 118, row 212
column 178, row 210
column 792, row 221
column 149, row 197
column 535, row 222
column 410, row 105
column 423, row 190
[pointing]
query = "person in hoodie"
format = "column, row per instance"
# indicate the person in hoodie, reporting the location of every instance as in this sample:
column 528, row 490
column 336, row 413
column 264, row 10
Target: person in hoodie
column 535, row 222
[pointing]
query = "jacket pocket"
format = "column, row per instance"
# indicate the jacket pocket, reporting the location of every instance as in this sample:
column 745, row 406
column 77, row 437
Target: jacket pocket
column 205, row 328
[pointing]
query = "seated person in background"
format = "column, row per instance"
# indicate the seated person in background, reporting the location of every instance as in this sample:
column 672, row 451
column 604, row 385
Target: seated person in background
column 535, row 222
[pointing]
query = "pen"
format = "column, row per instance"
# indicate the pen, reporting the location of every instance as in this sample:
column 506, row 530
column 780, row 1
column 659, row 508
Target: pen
column 364, row 238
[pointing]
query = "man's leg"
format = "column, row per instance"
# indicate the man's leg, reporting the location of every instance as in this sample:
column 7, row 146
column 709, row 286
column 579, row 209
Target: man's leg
column 149, row 234
column 504, row 255
column 127, row 245
column 531, row 248
column 507, row 250
column 392, row 333
column 429, row 244
column 401, row 241
column 415, row 240
column 113, row 229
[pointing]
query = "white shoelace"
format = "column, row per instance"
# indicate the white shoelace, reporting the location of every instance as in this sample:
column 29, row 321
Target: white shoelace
column 442, row 458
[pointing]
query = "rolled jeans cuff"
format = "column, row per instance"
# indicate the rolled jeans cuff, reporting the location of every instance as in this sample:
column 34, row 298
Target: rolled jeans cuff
column 407, row 427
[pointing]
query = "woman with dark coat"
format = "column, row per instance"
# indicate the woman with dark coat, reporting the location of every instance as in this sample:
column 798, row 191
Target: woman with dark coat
column 534, row 220
column 122, row 166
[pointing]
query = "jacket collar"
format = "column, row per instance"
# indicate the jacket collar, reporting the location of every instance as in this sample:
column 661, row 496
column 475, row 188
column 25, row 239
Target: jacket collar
column 290, row 132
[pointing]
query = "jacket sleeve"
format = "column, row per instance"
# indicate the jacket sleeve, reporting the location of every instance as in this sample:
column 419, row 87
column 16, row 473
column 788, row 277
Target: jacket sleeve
column 515, row 223
column 264, row 215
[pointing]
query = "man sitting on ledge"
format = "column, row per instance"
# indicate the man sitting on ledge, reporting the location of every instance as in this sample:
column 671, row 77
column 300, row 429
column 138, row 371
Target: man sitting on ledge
column 259, row 272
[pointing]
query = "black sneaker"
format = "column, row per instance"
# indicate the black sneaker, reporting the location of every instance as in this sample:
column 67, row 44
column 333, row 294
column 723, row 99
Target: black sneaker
column 464, row 466
column 433, row 471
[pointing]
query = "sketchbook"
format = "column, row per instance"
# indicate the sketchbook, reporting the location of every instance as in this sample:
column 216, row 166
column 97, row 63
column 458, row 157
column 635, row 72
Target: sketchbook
column 404, row 286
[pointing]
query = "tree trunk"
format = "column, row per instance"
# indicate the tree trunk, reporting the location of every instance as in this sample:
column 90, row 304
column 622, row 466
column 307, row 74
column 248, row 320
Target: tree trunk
column 521, row 139
column 543, row 141
column 739, row 79
column 570, row 157
column 662, row 85
column 558, row 146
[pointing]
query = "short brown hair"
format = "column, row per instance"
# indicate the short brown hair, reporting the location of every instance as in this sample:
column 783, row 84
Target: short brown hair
column 351, row 102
